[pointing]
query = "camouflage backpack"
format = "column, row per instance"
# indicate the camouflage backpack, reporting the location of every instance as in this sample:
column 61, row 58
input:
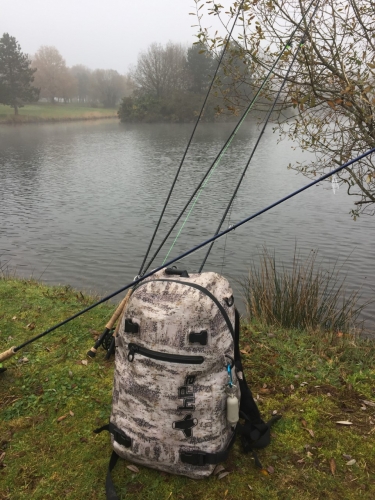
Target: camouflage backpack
column 179, row 388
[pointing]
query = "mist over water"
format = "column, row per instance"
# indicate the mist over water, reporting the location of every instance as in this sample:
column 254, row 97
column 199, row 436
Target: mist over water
column 79, row 203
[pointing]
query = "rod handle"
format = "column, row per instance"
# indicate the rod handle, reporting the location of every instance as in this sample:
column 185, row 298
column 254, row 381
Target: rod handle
column 118, row 311
column 7, row 354
column 92, row 352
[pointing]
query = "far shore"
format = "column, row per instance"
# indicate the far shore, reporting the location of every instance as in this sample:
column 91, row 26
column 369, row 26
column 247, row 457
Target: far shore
column 53, row 113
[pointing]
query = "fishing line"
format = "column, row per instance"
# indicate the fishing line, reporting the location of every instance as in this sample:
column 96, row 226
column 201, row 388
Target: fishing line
column 300, row 45
column 226, row 144
column 189, row 142
column 10, row 352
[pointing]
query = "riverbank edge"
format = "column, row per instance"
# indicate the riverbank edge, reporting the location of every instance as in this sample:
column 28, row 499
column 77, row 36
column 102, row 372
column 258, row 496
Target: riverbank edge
column 50, row 400
column 28, row 120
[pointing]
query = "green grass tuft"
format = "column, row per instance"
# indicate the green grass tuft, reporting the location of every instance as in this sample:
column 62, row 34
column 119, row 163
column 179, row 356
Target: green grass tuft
column 306, row 296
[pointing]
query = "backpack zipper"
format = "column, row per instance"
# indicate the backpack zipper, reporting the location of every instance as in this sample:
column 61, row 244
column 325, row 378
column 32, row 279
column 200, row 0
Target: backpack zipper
column 163, row 356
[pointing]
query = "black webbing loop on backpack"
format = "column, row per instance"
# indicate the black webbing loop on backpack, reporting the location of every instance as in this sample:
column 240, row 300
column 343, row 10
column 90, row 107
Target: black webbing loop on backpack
column 202, row 458
column 119, row 436
column 109, row 486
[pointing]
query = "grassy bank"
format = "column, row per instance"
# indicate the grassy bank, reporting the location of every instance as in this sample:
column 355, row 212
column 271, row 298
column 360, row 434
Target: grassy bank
column 40, row 113
column 50, row 402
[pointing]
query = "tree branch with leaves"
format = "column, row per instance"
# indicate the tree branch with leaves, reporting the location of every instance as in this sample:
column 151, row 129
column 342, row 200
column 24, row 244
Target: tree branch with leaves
column 328, row 103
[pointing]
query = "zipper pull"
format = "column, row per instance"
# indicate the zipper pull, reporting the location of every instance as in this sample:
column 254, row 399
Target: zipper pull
column 132, row 350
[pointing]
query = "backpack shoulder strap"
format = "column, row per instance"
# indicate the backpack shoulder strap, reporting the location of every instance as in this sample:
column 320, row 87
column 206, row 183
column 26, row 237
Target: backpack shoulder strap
column 255, row 433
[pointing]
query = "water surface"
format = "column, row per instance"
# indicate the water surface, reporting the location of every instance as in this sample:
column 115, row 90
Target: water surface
column 79, row 202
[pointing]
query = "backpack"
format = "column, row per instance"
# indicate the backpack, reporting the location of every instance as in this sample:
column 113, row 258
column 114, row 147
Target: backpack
column 179, row 387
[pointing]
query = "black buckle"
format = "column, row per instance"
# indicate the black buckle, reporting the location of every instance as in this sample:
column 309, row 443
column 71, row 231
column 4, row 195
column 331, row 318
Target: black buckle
column 200, row 338
column 193, row 458
column 123, row 440
column 131, row 327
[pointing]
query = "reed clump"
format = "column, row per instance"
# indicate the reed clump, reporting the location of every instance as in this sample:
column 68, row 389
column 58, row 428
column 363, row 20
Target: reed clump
column 302, row 296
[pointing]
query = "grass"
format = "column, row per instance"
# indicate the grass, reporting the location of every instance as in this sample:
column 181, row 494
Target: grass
column 306, row 296
column 313, row 379
column 39, row 113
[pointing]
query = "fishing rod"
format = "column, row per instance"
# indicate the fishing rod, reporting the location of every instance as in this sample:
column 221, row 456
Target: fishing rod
column 13, row 350
column 107, row 336
column 301, row 44
column 190, row 140
column 228, row 141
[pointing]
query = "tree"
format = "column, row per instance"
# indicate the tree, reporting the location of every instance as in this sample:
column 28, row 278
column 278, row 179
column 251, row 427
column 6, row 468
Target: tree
column 161, row 70
column 52, row 76
column 331, row 89
column 83, row 75
column 201, row 67
column 108, row 86
column 16, row 75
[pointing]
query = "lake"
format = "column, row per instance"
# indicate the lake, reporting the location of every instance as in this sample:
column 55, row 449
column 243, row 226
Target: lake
column 79, row 202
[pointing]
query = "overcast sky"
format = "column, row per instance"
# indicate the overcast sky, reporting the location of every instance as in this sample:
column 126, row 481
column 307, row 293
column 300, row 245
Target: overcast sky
column 97, row 33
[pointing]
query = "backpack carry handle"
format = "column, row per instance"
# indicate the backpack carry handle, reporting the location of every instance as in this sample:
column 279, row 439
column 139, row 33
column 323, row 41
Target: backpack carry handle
column 178, row 272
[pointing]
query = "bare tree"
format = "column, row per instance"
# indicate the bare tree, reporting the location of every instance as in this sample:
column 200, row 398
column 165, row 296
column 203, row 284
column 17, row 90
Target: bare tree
column 52, row 76
column 161, row 70
column 83, row 77
column 331, row 87
column 108, row 86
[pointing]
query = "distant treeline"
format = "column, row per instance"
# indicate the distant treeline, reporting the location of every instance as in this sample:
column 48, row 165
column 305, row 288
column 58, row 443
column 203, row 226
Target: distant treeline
column 169, row 85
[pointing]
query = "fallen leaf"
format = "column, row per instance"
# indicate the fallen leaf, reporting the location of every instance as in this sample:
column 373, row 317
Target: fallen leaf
column 133, row 468
column 223, row 474
column 264, row 391
column 339, row 334
column 270, row 469
column 219, row 468
column 309, row 454
column 61, row 418
column 332, row 466
column 344, row 422
column 71, row 413
column 31, row 326
column 250, row 487
column 303, row 422
column 347, row 457
column 14, row 317
column 83, row 440
column 351, row 462
column 292, row 387
column 264, row 472
column 302, row 461
column 2, row 456
column 84, row 362
column 368, row 403
column 311, row 432
column 23, row 360
column 226, row 493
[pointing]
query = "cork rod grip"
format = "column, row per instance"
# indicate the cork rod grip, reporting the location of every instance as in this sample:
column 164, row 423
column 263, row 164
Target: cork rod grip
column 122, row 312
column 7, row 354
column 118, row 311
